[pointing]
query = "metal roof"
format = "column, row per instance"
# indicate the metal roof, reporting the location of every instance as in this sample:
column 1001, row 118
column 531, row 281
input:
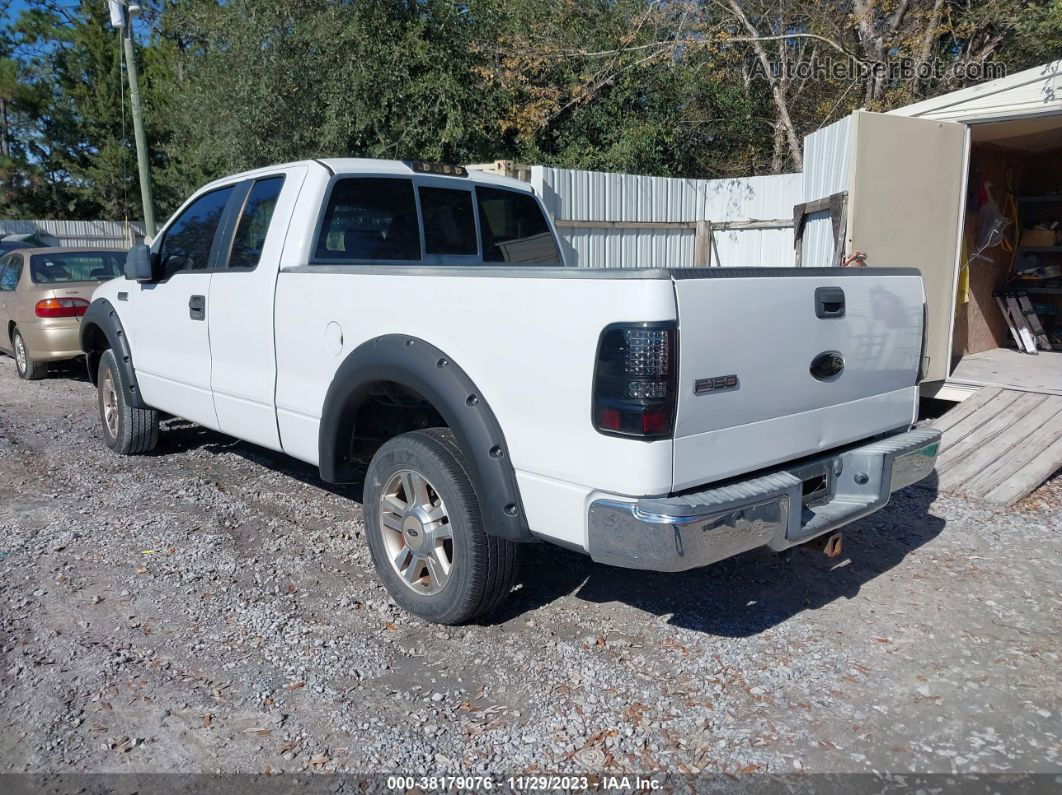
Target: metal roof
column 1032, row 92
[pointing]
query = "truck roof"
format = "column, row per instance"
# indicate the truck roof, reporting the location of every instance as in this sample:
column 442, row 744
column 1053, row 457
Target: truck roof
column 364, row 165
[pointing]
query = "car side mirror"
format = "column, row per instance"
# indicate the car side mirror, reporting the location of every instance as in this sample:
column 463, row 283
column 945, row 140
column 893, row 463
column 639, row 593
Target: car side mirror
column 139, row 264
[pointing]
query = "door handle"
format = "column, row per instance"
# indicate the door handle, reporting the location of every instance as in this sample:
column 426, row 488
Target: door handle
column 829, row 302
column 197, row 307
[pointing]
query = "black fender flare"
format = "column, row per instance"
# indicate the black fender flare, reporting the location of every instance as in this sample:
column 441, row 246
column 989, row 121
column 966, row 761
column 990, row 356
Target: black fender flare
column 101, row 320
column 421, row 366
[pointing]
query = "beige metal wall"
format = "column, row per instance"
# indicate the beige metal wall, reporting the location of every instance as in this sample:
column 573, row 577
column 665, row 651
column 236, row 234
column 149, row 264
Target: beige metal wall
column 905, row 209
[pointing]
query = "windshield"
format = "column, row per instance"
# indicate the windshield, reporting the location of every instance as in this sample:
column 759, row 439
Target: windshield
column 76, row 266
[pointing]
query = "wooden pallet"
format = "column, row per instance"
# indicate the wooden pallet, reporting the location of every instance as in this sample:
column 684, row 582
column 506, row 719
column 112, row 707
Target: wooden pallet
column 1000, row 444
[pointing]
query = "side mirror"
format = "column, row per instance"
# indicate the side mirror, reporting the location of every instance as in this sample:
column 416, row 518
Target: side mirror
column 138, row 264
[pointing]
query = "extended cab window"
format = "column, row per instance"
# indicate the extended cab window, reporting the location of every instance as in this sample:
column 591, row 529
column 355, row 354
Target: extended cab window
column 370, row 219
column 514, row 229
column 449, row 226
column 254, row 223
column 187, row 243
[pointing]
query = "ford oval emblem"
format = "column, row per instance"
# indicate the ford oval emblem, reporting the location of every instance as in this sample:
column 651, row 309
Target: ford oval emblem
column 827, row 366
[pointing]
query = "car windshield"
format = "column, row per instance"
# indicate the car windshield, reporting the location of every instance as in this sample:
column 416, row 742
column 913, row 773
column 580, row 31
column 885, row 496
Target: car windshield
column 76, row 266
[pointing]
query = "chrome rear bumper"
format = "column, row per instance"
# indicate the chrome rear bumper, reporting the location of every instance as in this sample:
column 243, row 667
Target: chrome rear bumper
column 778, row 510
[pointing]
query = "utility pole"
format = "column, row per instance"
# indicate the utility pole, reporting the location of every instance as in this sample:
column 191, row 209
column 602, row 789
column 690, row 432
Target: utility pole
column 122, row 13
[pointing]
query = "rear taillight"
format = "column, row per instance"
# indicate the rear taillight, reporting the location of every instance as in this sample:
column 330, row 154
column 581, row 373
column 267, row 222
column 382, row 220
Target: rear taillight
column 636, row 380
column 61, row 307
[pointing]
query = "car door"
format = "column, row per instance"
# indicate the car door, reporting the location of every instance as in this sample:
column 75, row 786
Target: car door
column 242, row 292
column 169, row 338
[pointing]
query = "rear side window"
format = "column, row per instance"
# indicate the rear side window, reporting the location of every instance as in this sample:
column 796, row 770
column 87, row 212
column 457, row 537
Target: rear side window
column 370, row 219
column 187, row 243
column 254, row 223
column 10, row 270
column 514, row 229
column 449, row 226
column 76, row 267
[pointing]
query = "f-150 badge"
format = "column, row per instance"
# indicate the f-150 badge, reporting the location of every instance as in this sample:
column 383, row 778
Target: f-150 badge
column 721, row 383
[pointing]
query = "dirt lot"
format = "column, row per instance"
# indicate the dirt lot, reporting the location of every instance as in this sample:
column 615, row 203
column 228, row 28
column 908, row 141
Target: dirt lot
column 212, row 607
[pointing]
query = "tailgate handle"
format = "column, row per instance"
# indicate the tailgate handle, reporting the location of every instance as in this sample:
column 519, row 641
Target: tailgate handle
column 829, row 302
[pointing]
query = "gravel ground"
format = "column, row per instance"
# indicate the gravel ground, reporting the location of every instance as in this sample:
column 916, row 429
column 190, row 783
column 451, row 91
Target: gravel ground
column 212, row 607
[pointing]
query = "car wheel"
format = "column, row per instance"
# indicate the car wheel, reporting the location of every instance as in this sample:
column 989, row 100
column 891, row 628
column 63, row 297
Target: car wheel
column 127, row 430
column 28, row 369
column 426, row 533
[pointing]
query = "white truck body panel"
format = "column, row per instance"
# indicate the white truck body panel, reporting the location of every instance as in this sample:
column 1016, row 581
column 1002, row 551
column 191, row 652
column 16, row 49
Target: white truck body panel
column 173, row 355
column 765, row 331
column 534, row 365
column 241, row 323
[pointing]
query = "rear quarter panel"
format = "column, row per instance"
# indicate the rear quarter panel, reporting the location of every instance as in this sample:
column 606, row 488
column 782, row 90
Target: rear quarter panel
column 529, row 344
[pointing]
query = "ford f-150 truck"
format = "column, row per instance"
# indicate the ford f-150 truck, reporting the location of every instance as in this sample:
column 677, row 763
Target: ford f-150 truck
column 413, row 327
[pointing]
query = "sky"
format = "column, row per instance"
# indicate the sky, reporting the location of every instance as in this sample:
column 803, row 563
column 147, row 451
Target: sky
column 16, row 7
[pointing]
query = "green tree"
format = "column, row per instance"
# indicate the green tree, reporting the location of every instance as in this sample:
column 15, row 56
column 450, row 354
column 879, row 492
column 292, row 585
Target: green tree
column 71, row 146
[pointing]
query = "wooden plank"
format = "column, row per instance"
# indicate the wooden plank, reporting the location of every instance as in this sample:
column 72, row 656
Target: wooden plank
column 1029, row 476
column 987, row 428
column 754, row 223
column 749, row 224
column 568, row 224
column 1017, row 457
column 993, row 407
column 839, row 218
column 818, row 205
column 954, row 474
column 702, row 245
column 964, row 409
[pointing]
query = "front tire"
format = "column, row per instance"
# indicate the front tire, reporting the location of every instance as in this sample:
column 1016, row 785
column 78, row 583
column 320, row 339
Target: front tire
column 28, row 370
column 425, row 531
column 127, row 430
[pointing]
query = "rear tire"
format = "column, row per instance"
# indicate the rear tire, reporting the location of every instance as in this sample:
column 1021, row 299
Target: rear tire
column 425, row 531
column 127, row 430
column 28, row 370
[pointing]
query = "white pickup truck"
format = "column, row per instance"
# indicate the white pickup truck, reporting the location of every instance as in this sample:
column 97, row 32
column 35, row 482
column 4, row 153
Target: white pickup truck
column 418, row 320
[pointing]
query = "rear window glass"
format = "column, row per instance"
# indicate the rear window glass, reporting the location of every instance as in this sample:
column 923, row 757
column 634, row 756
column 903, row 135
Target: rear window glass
column 254, row 223
column 10, row 270
column 514, row 229
column 76, row 267
column 370, row 219
column 449, row 226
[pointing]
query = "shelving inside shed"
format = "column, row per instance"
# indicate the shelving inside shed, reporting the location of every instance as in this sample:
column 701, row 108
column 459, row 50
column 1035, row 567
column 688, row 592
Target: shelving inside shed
column 1015, row 189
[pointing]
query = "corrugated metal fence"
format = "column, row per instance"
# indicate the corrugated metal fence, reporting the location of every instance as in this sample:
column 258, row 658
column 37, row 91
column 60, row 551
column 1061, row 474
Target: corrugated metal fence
column 626, row 221
column 94, row 234
column 827, row 170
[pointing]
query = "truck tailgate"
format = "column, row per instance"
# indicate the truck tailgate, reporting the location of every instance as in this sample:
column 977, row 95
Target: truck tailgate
column 749, row 340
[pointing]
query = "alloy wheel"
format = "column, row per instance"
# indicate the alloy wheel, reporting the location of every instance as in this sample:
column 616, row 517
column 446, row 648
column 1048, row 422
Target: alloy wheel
column 110, row 404
column 416, row 532
column 21, row 357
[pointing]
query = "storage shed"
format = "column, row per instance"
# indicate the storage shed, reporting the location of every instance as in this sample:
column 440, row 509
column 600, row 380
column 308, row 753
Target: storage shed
column 1007, row 305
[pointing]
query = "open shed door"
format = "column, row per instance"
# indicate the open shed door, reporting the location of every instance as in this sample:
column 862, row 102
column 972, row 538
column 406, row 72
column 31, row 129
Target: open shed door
column 905, row 209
